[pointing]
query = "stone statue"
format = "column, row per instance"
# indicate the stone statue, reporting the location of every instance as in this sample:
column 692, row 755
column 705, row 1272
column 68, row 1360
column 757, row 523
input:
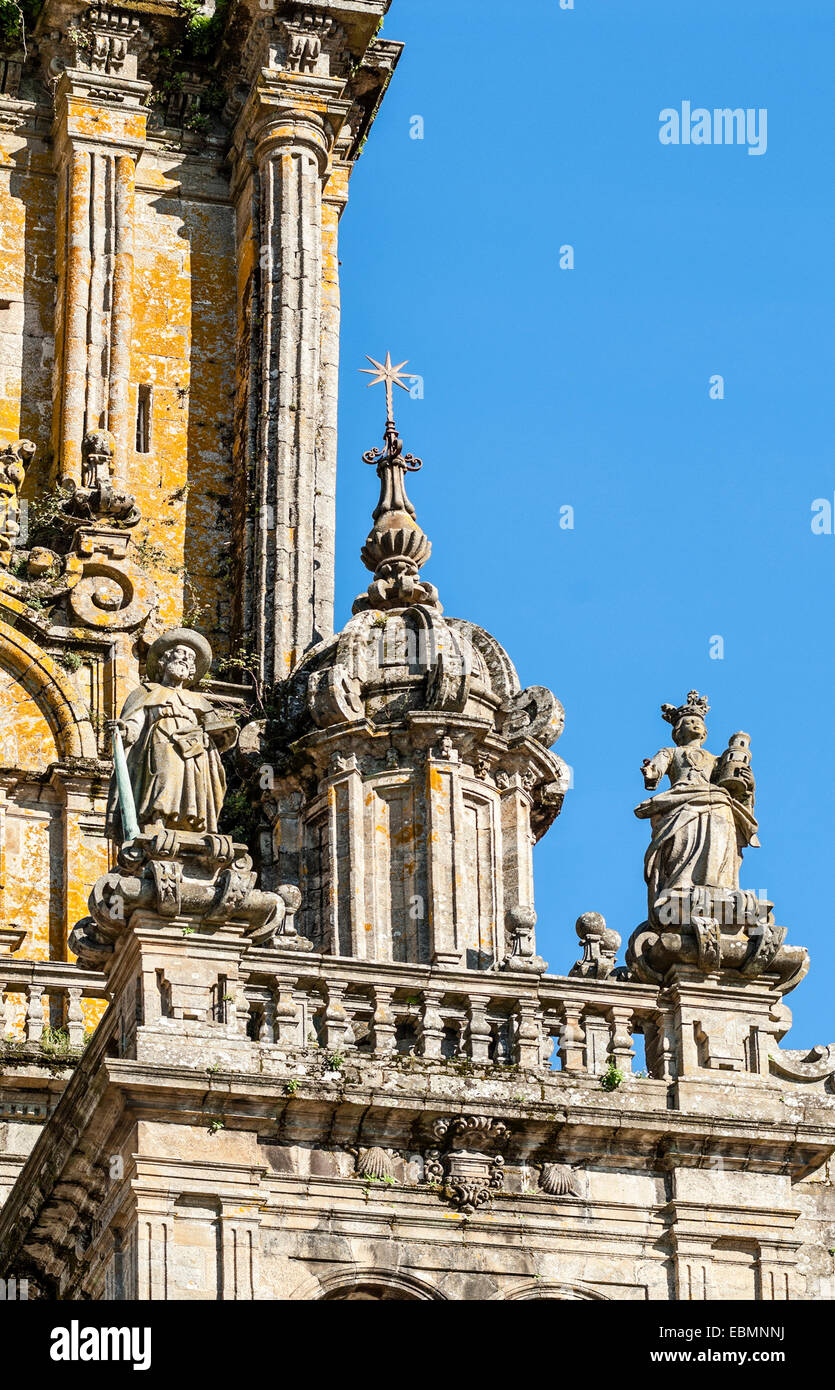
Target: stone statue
column 702, row 824
column 174, row 739
column 13, row 463
column 97, row 499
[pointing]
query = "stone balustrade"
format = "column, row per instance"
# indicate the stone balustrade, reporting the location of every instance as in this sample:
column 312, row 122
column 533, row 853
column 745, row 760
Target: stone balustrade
column 500, row 1018
column 52, row 997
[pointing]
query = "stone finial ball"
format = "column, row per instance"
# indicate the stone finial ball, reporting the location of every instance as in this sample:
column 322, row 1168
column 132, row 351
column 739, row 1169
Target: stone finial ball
column 590, row 924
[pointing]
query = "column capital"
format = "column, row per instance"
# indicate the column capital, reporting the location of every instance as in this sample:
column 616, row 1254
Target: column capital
column 286, row 112
column 322, row 64
column 94, row 111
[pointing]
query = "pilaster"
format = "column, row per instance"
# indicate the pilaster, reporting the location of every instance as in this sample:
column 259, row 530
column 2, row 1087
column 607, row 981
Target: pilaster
column 99, row 132
column 290, row 172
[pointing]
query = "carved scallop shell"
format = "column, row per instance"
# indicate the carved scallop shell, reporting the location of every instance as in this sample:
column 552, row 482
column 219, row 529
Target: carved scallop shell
column 558, row 1180
column 374, row 1163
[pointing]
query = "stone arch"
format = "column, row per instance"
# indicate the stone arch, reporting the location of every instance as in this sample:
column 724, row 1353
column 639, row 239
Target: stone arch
column 50, row 688
column 367, row 1285
column 534, row 1289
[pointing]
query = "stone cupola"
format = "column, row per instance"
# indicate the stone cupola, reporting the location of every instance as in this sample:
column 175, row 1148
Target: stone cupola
column 417, row 774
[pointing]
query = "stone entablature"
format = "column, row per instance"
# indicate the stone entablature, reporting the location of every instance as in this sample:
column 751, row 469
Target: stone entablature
column 213, row 1137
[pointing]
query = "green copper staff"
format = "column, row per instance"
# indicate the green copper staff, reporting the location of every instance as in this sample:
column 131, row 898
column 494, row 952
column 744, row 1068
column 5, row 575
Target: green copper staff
column 127, row 805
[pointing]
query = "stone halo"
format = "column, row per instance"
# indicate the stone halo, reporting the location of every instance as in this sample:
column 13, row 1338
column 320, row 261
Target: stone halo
column 177, row 637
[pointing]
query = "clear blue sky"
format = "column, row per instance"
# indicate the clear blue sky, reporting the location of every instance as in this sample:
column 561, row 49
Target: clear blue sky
column 590, row 388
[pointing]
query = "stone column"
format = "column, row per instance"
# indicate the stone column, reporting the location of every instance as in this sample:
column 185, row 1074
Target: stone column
column 121, row 332
column 73, row 297
column 240, row 1236
column 314, row 80
column 445, row 876
column 517, row 849
column 98, row 134
column 286, row 452
column 346, row 815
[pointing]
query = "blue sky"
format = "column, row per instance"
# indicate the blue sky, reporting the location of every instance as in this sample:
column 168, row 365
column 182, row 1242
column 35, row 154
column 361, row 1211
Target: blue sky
column 589, row 388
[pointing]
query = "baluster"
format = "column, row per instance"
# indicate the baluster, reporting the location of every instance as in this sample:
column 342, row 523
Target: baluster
column 620, row 1048
column 527, row 1038
column 572, row 1040
column 34, row 1013
column 265, row 1020
column 480, row 1032
column 383, row 1026
column 6, row 1014
column 286, row 1021
column 75, row 1017
column 431, row 1027
column 337, row 1030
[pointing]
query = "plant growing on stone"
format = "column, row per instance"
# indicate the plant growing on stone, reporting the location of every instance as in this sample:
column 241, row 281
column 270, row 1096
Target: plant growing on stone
column 55, row 1040
column 612, row 1077
column 48, row 522
column 16, row 16
column 215, row 1126
column 335, row 1061
column 292, row 1086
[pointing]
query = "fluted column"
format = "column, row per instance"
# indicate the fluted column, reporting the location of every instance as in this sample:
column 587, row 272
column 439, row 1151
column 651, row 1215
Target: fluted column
column 314, row 80
column 98, row 135
column 291, row 162
column 287, row 360
column 74, row 297
column 121, row 322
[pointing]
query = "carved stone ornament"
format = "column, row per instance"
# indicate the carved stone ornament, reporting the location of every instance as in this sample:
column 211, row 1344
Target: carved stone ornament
column 375, row 1163
column 14, row 460
column 97, row 499
column 466, row 1166
column 111, row 592
column 105, row 40
column 521, row 924
column 559, row 1180
column 600, row 947
column 203, row 881
column 396, row 548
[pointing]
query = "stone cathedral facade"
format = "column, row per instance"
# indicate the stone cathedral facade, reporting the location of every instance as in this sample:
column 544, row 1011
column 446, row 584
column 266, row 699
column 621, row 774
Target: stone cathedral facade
column 274, row 1024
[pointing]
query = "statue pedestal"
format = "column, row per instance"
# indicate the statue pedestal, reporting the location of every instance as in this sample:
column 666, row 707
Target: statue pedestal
column 714, row 931
column 169, row 927
column 180, row 993
column 724, row 1024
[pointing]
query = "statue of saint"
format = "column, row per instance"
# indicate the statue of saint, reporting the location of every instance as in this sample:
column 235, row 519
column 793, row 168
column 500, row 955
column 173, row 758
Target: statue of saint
column 13, row 463
column 174, row 738
column 702, row 824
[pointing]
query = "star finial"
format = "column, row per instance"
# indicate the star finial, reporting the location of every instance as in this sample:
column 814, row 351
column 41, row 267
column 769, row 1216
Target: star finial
column 388, row 373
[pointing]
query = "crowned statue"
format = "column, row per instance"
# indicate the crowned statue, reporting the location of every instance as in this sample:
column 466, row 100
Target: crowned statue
column 168, row 741
column 701, row 825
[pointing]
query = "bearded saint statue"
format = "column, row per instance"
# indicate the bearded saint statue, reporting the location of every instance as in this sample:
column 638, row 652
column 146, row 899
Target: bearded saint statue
column 174, row 738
